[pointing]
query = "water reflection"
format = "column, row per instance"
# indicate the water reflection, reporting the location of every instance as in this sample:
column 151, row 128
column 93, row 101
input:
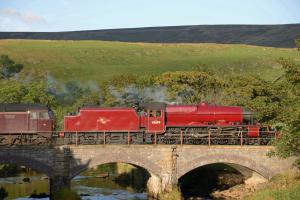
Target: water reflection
column 16, row 187
column 90, row 188
column 98, row 188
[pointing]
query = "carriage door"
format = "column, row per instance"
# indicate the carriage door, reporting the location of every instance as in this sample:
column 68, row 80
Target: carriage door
column 44, row 122
column 156, row 121
column 33, row 121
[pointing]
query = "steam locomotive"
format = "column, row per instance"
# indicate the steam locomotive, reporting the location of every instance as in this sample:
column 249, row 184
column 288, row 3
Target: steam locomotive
column 167, row 124
column 150, row 123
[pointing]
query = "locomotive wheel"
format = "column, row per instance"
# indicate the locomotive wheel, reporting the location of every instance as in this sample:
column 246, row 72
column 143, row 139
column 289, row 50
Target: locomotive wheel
column 137, row 138
column 169, row 140
column 197, row 141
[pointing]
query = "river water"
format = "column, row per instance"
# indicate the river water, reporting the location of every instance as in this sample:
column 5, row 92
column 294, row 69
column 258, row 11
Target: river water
column 90, row 188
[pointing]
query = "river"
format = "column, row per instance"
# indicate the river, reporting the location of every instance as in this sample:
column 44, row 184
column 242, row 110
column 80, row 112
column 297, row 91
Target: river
column 125, row 182
column 89, row 187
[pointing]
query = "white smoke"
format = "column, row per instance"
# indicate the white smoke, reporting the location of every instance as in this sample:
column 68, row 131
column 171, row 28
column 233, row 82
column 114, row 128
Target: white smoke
column 132, row 95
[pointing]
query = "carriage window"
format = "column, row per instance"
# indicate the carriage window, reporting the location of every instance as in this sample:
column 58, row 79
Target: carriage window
column 43, row 115
column 152, row 113
column 33, row 115
column 155, row 113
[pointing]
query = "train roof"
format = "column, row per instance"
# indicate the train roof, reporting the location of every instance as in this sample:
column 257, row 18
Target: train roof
column 21, row 107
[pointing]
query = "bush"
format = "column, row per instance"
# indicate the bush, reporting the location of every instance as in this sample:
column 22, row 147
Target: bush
column 3, row 193
column 175, row 194
column 67, row 194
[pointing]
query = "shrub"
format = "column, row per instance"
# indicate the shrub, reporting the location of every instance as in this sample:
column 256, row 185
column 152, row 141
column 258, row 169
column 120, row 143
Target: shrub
column 67, row 194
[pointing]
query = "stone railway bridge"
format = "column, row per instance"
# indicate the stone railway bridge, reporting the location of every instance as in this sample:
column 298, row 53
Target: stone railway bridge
column 165, row 163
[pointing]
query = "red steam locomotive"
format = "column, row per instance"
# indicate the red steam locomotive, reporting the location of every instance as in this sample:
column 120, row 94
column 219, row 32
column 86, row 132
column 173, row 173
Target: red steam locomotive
column 168, row 124
column 149, row 123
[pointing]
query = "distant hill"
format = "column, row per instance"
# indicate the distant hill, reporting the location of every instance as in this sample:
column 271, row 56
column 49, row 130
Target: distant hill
column 101, row 60
column 262, row 35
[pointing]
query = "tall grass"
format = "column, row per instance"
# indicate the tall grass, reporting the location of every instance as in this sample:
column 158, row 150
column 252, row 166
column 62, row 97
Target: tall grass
column 282, row 187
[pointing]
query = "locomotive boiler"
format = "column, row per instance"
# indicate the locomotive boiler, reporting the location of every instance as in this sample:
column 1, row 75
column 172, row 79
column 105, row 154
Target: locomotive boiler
column 162, row 123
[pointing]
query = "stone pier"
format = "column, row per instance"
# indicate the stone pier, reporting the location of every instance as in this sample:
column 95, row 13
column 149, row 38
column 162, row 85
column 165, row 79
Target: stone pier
column 61, row 178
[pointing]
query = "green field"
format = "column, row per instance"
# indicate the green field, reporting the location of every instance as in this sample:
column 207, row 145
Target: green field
column 98, row 60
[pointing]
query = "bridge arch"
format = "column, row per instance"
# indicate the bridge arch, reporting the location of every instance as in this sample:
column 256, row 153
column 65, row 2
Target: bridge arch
column 233, row 160
column 119, row 157
column 28, row 162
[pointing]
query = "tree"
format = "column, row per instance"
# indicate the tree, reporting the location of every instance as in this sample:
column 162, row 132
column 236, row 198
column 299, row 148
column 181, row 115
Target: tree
column 252, row 93
column 190, row 86
column 36, row 92
column 11, row 91
column 297, row 42
column 8, row 67
column 289, row 143
column 291, row 71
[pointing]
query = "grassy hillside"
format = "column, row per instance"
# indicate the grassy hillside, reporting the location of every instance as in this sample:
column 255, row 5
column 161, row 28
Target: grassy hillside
column 98, row 60
column 282, row 35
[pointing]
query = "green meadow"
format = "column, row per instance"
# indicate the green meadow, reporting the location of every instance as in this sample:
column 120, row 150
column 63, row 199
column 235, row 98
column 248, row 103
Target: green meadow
column 99, row 60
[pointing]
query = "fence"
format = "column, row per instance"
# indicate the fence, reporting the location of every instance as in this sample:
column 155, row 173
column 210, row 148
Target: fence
column 209, row 138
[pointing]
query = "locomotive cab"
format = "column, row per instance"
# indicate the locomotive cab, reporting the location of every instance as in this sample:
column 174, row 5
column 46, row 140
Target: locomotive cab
column 153, row 117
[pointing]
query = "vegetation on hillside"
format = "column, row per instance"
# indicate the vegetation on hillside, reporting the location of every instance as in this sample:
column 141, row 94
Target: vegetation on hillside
column 94, row 62
column 8, row 67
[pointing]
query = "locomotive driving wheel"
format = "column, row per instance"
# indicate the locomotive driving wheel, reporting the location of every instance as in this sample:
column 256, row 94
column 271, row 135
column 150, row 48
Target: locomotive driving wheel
column 172, row 136
column 196, row 136
column 168, row 140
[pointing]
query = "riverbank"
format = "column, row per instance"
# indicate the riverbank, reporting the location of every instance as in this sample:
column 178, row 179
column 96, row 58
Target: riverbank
column 285, row 186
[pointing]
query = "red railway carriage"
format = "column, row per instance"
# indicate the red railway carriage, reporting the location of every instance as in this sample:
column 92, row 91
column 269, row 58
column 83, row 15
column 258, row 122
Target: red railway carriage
column 161, row 123
column 24, row 123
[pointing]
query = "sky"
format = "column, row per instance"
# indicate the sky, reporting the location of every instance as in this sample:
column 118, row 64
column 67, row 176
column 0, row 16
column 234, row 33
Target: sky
column 70, row 15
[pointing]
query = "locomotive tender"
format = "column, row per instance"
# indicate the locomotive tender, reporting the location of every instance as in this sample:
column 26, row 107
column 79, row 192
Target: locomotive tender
column 167, row 124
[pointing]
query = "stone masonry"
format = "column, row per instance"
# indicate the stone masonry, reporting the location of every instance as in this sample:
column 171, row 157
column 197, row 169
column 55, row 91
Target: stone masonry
column 165, row 163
